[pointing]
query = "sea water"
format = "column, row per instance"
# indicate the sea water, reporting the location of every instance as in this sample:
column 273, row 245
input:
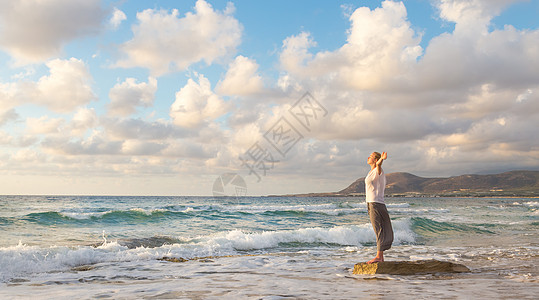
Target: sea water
column 82, row 247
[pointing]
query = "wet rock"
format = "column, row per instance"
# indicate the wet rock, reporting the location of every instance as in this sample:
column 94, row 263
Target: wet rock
column 173, row 259
column 83, row 268
column 200, row 259
column 409, row 267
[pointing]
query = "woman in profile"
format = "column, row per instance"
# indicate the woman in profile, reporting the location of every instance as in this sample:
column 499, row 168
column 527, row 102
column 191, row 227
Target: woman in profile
column 375, row 183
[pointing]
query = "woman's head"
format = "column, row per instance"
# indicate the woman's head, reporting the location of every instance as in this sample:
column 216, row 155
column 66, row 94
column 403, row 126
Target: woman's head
column 375, row 156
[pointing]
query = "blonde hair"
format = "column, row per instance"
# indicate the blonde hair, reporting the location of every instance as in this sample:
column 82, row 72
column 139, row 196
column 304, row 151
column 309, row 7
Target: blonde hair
column 377, row 155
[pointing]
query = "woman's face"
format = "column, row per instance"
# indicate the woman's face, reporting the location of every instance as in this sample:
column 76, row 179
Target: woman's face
column 371, row 159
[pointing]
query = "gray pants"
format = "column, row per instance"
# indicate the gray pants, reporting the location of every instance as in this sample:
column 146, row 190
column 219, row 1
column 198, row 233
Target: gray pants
column 381, row 223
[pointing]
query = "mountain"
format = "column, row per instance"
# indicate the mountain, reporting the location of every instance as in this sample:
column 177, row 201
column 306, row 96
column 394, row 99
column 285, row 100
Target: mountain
column 517, row 183
column 508, row 184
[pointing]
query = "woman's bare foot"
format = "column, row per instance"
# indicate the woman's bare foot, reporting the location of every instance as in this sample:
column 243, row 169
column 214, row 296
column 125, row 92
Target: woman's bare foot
column 379, row 258
column 375, row 260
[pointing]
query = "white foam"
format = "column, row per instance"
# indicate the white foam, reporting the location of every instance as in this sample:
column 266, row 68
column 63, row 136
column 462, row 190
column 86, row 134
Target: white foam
column 342, row 235
column 22, row 260
column 421, row 211
column 527, row 203
column 88, row 215
column 83, row 215
column 270, row 208
column 398, row 205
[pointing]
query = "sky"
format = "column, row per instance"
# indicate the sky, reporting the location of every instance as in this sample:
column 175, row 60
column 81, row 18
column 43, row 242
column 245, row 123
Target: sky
column 101, row 97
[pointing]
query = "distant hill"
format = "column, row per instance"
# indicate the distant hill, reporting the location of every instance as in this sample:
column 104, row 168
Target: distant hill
column 514, row 183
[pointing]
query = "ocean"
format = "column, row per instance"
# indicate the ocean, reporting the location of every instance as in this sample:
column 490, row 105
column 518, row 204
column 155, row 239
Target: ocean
column 109, row 247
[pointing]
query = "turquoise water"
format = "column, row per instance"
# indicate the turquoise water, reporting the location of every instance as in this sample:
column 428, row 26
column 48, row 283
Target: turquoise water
column 261, row 247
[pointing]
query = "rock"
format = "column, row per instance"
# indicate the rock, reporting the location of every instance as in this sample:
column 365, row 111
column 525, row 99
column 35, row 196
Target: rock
column 83, row 268
column 173, row 259
column 200, row 259
column 409, row 267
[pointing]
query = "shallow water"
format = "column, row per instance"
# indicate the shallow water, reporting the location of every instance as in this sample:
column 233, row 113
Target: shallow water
column 261, row 247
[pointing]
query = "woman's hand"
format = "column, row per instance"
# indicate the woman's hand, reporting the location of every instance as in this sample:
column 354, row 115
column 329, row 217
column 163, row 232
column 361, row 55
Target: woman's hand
column 384, row 155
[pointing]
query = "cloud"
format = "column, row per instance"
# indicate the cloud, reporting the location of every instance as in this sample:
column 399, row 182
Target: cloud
column 67, row 87
column 9, row 97
column 33, row 31
column 489, row 145
column 136, row 147
column 44, row 125
column 5, row 138
column 83, row 119
column 470, row 16
column 164, row 42
column 506, row 58
column 381, row 47
column 123, row 129
column 29, row 156
column 295, row 53
column 188, row 149
column 117, row 18
column 241, row 78
column 196, row 104
column 7, row 116
column 128, row 95
column 95, row 144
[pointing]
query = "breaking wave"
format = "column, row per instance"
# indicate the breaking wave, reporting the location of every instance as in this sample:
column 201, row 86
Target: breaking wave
column 21, row 260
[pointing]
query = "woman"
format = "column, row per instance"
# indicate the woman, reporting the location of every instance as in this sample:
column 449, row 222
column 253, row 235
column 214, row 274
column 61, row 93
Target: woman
column 375, row 183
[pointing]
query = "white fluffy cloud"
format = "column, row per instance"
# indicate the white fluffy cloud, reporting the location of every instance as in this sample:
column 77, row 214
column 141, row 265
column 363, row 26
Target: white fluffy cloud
column 241, row 78
column 124, row 129
column 137, row 147
column 83, row 119
column 165, row 42
column 5, row 139
column 127, row 96
column 471, row 15
column 117, row 18
column 34, row 30
column 381, row 47
column 8, row 116
column 44, row 125
column 196, row 104
column 67, row 87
